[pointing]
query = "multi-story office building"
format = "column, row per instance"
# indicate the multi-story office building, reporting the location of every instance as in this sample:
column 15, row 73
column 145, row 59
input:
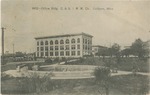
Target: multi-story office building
column 68, row 45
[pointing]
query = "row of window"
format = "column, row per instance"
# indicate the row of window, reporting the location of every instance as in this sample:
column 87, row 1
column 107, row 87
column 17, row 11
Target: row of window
column 73, row 47
column 62, row 53
column 57, row 48
column 57, row 42
column 86, row 41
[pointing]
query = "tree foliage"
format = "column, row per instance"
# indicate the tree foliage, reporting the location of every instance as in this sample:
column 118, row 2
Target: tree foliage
column 19, row 54
column 138, row 49
column 114, row 50
column 102, row 52
column 126, row 52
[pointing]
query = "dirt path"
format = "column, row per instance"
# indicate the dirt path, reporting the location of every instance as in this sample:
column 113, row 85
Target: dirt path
column 67, row 74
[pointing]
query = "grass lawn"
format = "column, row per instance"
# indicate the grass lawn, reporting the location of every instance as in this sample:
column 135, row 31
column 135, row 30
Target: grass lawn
column 119, row 85
column 8, row 67
column 125, row 64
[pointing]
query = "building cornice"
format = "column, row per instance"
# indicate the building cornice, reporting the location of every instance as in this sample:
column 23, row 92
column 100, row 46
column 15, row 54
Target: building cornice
column 64, row 35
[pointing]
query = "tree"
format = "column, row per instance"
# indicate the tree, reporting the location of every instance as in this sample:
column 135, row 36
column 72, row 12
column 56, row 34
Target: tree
column 138, row 48
column 114, row 50
column 126, row 52
column 19, row 54
column 103, row 52
column 102, row 76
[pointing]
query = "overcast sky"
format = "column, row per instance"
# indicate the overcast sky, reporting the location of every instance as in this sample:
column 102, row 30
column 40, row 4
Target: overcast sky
column 127, row 21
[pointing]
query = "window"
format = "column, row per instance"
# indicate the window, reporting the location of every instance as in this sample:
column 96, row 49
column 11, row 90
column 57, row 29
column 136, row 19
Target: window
column 46, row 48
column 73, row 47
column 42, row 54
column 56, row 47
column 83, row 46
column 61, row 47
column 51, row 47
column 46, row 42
column 78, row 40
column 86, row 41
column 61, row 53
column 78, row 46
column 67, row 47
column 51, row 53
column 83, row 40
column 51, row 42
column 56, row 53
column 78, row 52
column 46, row 53
column 37, row 48
column 37, row 54
column 61, row 42
column 67, row 41
column 73, row 41
column 86, row 47
column 37, row 43
column 42, row 48
column 41, row 43
column 67, row 53
column 56, row 42
column 73, row 53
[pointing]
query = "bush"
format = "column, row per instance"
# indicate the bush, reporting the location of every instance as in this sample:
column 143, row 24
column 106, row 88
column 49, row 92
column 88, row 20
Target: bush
column 63, row 59
column 30, row 66
column 48, row 60
column 102, row 73
column 36, row 83
column 56, row 59
column 102, row 76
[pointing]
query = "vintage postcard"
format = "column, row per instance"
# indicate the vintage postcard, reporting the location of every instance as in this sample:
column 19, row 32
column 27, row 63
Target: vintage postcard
column 75, row 47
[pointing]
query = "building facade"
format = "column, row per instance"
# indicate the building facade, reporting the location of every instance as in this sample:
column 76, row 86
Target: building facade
column 97, row 48
column 68, row 45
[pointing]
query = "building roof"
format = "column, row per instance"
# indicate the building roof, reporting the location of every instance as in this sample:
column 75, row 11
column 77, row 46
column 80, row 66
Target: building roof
column 64, row 35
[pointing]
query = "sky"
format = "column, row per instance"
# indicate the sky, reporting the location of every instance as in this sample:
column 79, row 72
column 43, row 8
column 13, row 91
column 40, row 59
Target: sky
column 124, row 22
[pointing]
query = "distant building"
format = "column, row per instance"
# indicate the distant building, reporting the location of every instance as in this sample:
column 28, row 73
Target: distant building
column 147, row 47
column 68, row 45
column 127, row 47
column 97, row 48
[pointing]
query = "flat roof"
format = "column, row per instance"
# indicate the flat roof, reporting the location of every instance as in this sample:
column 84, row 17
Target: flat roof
column 64, row 35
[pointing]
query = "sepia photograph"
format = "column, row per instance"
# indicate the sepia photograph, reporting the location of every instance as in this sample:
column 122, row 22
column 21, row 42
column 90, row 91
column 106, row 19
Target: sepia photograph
column 75, row 47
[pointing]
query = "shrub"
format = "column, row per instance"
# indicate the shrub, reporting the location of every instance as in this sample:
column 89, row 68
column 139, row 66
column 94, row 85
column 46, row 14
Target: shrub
column 56, row 59
column 102, row 75
column 48, row 60
column 3, row 62
column 36, row 83
column 81, row 59
column 63, row 59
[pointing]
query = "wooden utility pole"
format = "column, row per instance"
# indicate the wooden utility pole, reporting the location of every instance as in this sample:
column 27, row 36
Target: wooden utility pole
column 3, row 44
